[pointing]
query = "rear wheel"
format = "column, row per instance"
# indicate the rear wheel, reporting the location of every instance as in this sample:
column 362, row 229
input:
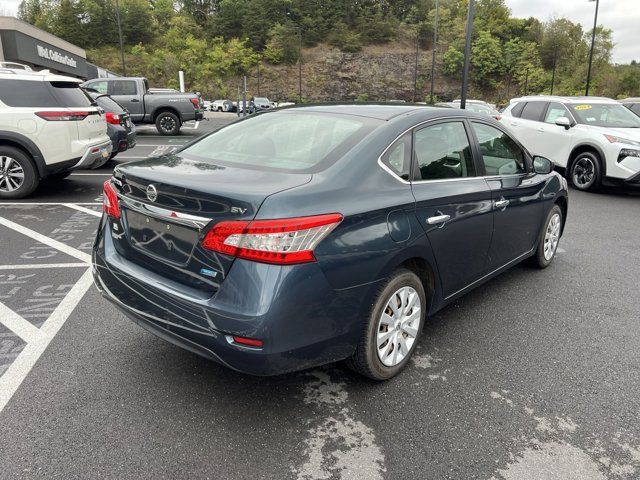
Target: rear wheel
column 586, row 172
column 18, row 175
column 393, row 328
column 168, row 123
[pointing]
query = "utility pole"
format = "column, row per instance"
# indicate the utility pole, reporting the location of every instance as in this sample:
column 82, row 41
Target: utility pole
column 553, row 74
column 415, row 69
column 593, row 41
column 526, row 81
column 299, row 65
column 124, row 68
column 467, row 56
column 258, row 67
column 433, row 55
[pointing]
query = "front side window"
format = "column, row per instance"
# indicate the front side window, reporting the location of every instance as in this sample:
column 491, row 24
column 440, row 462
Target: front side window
column 443, row 151
column 612, row 115
column 124, row 87
column 533, row 111
column 501, row 155
column 555, row 111
column 398, row 157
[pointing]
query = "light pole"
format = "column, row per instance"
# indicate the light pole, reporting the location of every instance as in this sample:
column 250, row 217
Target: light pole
column 593, row 41
column 124, row 68
column 467, row 56
column 553, row 74
column 415, row 69
column 299, row 64
column 433, row 55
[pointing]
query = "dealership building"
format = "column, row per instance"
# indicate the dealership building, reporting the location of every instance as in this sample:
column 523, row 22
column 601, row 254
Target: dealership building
column 23, row 43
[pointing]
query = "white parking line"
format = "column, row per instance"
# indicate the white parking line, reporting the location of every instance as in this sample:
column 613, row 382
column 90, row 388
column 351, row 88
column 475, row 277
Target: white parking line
column 89, row 174
column 82, row 209
column 18, row 325
column 24, row 362
column 46, row 240
column 23, row 266
column 131, row 158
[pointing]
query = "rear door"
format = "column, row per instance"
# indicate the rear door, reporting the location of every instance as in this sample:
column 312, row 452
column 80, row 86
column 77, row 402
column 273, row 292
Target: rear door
column 126, row 93
column 516, row 194
column 528, row 127
column 453, row 204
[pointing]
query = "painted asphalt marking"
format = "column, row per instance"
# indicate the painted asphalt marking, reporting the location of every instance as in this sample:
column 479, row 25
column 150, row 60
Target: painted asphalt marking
column 82, row 209
column 46, row 240
column 89, row 174
column 24, row 362
column 18, row 325
column 42, row 265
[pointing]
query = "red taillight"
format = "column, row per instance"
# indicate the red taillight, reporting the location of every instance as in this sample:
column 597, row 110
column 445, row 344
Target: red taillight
column 250, row 342
column 63, row 116
column 196, row 103
column 110, row 204
column 285, row 241
column 112, row 118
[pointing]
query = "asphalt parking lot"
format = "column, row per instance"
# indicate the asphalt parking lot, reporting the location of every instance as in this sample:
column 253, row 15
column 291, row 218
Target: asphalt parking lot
column 535, row 375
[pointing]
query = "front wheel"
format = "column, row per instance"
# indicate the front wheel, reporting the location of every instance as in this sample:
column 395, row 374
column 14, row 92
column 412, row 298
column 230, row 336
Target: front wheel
column 549, row 239
column 586, row 173
column 168, row 123
column 392, row 329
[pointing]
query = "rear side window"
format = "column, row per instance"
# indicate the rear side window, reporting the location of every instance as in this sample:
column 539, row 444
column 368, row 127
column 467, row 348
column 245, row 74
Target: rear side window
column 534, row 111
column 109, row 105
column 39, row 94
column 123, row 87
column 398, row 157
column 516, row 111
column 443, row 151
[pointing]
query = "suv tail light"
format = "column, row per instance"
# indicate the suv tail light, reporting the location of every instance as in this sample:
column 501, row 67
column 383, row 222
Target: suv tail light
column 63, row 116
column 196, row 103
column 112, row 118
column 110, row 204
column 286, row 241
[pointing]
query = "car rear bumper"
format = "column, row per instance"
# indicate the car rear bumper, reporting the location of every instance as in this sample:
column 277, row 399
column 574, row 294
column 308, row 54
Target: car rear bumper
column 121, row 139
column 301, row 319
column 95, row 155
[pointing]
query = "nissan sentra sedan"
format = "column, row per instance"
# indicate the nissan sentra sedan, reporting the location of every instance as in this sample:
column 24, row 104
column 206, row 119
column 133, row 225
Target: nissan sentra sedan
column 317, row 234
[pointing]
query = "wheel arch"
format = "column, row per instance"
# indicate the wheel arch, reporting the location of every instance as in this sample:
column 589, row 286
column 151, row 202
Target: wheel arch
column 564, row 207
column 587, row 147
column 163, row 109
column 16, row 140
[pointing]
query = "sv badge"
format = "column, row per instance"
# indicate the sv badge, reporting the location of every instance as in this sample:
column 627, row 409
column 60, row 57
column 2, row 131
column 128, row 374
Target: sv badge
column 238, row 210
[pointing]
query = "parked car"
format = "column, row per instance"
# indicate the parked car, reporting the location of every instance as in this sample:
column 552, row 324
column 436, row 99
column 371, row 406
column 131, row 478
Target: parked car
column 207, row 105
column 594, row 141
column 120, row 129
column 222, row 106
column 49, row 127
column 258, row 104
column 632, row 104
column 168, row 110
column 476, row 106
column 310, row 235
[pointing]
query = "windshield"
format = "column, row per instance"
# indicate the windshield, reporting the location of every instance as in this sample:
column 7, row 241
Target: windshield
column 611, row 115
column 287, row 142
column 479, row 108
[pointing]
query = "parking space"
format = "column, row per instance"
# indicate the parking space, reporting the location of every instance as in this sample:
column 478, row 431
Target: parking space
column 532, row 376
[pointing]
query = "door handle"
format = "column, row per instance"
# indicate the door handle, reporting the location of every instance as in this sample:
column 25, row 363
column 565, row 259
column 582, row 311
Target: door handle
column 502, row 204
column 438, row 219
column 134, row 100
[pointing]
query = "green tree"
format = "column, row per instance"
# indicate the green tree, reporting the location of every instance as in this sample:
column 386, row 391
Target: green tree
column 486, row 59
column 282, row 45
column 452, row 61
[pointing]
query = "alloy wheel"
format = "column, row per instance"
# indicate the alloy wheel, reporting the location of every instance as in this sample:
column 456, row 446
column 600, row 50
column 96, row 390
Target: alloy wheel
column 398, row 326
column 552, row 237
column 167, row 124
column 11, row 174
column 583, row 172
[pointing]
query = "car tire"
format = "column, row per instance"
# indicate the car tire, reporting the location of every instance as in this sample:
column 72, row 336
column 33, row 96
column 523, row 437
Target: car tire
column 219, row 109
column 388, row 330
column 548, row 239
column 18, row 174
column 167, row 123
column 586, row 172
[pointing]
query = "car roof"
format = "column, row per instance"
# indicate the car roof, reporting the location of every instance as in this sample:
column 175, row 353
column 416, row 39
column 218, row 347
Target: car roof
column 563, row 99
column 376, row 111
column 44, row 75
column 630, row 99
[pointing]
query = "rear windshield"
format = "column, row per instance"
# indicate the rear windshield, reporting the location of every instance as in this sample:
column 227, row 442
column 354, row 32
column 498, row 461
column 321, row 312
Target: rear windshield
column 287, row 142
column 108, row 104
column 611, row 115
column 35, row 93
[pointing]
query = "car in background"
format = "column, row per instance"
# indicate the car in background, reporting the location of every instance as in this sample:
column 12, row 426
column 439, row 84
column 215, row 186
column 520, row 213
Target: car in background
column 258, row 104
column 50, row 126
column 206, row 105
column 594, row 141
column 632, row 104
column 168, row 110
column 309, row 235
column 476, row 106
column 120, row 128
column 222, row 106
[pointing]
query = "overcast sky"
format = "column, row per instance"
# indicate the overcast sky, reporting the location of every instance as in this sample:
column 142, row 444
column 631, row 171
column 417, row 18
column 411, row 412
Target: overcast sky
column 622, row 16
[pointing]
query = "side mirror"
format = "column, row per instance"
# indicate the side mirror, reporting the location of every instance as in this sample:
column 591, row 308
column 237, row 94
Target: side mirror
column 542, row 165
column 563, row 122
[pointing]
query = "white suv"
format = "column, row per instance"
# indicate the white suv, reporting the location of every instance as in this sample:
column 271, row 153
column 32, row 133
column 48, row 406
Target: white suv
column 595, row 141
column 48, row 126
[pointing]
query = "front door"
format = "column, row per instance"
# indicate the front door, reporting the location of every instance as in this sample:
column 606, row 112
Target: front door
column 518, row 195
column 125, row 92
column 453, row 205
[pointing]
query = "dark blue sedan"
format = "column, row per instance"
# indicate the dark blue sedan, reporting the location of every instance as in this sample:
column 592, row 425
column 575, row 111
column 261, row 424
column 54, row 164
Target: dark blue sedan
column 311, row 235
